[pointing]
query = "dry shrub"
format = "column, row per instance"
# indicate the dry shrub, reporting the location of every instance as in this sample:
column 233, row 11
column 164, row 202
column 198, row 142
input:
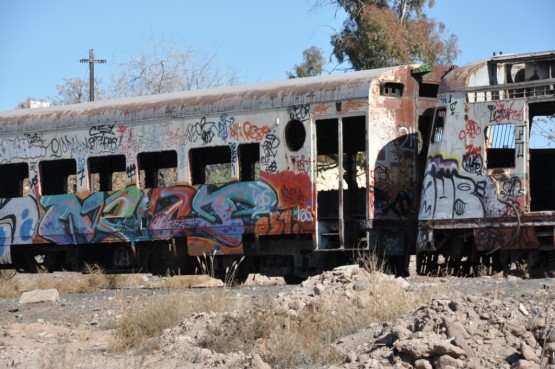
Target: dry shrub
column 141, row 320
column 305, row 339
column 281, row 340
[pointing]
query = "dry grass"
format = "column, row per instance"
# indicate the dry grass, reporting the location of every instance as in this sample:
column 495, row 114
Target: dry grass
column 93, row 279
column 282, row 339
column 144, row 319
column 289, row 341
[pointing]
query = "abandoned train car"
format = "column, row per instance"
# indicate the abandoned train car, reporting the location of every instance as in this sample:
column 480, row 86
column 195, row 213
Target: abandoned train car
column 293, row 175
column 489, row 188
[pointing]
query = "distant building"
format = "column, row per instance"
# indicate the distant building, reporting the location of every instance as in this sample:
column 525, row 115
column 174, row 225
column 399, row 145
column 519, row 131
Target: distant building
column 29, row 104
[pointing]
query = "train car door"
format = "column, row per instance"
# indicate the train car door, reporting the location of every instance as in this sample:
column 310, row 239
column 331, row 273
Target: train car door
column 542, row 156
column 341, row 181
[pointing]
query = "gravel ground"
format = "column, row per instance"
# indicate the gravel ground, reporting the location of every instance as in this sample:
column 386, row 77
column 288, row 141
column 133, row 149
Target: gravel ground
column 77, row 331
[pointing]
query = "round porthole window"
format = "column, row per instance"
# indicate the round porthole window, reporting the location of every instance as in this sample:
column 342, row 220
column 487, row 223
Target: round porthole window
column 295, row 135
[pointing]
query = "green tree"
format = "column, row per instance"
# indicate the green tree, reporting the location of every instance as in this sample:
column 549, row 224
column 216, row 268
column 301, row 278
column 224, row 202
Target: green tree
column 380, row 33
column 312, row 65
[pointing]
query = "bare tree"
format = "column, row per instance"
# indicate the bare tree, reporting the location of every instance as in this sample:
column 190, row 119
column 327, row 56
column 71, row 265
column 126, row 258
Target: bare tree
column 75, row 90
column 163, row 66
column 167, row 66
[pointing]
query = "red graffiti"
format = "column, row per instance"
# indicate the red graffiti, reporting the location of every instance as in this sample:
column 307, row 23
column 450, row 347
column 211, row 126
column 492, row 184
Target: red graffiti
column 293, row 189
column 303, row 165
column 473, row 150
column 499, row 113
column 248, row 131
column 472, row 129
column 278, row 223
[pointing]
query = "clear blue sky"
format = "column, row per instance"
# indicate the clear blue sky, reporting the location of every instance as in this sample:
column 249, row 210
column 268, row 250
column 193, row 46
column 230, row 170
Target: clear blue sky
column 41, row 42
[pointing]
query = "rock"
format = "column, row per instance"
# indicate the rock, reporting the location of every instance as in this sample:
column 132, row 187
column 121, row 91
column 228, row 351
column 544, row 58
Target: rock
column 447, row 362
column 360, row 286
column 256, row 362
column 352, row 357
column 422, row 347
column 422, row 364
column 319, row 289
column 525, row 364
column 528, row 353
column 254, row 279
column 517, row 330
column 38, row 298
column 212, row 282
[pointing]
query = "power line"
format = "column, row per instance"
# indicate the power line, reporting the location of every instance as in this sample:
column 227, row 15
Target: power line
column 91, row 62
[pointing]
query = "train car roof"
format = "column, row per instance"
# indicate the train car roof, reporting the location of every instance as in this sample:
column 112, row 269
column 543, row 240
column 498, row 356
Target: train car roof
column 290, row 92
column 479, row 74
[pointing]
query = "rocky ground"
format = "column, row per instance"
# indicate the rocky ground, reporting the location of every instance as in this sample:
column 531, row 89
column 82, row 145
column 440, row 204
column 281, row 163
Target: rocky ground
column 484, row 322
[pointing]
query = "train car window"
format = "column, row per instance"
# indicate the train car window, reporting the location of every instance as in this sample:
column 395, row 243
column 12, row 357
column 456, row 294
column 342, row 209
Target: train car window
column 58, row 176
column 392, row 89
column 15, row 177
column 500, row 146
column 295, row 135
column 157, row 169
column 439, row 122
column 107, row 173
column 428, row 89
column 210, row 165
column 249, row 162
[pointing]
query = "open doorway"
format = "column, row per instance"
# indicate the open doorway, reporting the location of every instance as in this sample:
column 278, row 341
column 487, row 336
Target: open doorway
column 542, row 156
column 341, row 180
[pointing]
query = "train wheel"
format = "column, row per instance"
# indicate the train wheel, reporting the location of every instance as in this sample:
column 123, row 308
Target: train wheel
column 122, row 257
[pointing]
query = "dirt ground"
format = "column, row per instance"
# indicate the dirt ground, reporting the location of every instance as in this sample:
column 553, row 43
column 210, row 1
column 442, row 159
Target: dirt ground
column 486, row 322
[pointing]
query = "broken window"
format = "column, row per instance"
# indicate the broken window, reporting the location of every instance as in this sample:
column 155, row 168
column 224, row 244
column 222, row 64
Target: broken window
column 14, row 178
column 428, row 90
column 58, row 176
column 500, row 146
column 107, row 173
column 249, row 162
column 542, row 156
column 439, row 122
column 157, row 169
column 392, row 89
column 295, row 135
column 210, row 165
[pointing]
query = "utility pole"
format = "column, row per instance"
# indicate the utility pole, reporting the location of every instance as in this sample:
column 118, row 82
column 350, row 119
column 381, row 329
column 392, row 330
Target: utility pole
column 91, row 62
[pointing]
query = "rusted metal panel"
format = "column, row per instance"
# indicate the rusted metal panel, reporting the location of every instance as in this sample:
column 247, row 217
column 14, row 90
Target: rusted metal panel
column 489, row 239
column 303, row 91
column 476, row 180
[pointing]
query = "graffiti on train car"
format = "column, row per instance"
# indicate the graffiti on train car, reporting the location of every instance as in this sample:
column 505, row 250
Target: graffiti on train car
column 214, row 218
column 447, row 194
column 18, row 220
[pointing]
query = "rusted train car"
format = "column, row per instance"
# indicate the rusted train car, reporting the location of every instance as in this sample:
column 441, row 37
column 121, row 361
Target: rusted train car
column 294, row 175
column 488, row 195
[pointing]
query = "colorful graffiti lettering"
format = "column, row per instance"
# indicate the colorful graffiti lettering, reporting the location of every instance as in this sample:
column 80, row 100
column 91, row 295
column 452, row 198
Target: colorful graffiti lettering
column 218, row 214
column 18, row 219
